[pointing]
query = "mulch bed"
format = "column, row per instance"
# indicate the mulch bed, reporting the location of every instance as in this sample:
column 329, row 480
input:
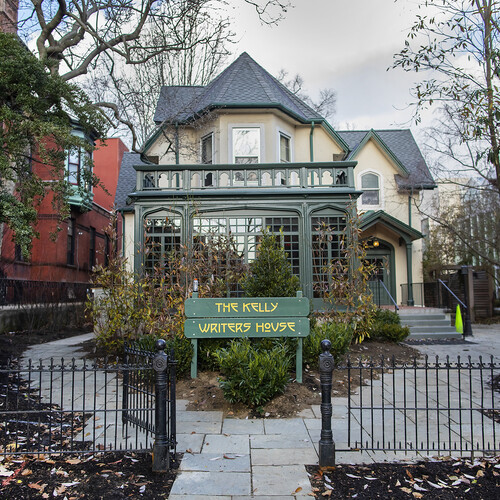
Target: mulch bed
column 447, row 479
column 109, row 476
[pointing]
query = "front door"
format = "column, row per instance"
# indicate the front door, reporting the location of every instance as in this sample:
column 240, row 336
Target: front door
column 380, row 281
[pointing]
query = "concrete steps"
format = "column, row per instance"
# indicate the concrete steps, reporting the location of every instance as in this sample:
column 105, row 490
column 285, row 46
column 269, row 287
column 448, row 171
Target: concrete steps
column 428, row 323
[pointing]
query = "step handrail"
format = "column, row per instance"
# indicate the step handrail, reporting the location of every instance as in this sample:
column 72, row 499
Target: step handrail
column 447, row 288
column 389, row 293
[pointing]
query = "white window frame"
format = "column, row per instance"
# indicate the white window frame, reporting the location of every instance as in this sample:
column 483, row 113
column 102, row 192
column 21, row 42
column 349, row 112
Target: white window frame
column 380, row 190
column 290, row 142
column 234, row 126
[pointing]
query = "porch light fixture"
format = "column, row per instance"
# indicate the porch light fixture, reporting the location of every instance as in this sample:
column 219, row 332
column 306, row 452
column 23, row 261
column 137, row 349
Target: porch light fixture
column 376, row 243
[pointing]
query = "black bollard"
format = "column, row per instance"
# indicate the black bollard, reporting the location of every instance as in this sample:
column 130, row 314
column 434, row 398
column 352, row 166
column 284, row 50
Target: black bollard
column 161, row 459
column 326, row 444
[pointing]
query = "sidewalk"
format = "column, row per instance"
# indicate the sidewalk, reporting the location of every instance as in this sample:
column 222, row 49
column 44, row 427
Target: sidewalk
column 235, row 459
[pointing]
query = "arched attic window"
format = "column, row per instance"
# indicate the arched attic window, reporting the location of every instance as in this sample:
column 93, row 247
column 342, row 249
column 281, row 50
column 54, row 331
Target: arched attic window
column 370, row 185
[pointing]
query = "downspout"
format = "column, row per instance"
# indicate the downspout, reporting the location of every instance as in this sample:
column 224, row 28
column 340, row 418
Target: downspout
column 177, row 143
column 409, row 262
column 311, row 143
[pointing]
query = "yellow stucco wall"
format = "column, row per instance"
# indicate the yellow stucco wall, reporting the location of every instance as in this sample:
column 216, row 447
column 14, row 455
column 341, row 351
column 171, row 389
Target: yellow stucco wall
column 271, row 125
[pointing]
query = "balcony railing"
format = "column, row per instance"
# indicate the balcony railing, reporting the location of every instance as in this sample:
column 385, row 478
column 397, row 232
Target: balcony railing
column 262, row 176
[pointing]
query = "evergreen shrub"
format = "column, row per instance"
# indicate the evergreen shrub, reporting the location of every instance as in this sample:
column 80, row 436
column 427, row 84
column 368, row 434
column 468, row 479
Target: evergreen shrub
column 253, row 376
column 181, row 345
column 339, row 334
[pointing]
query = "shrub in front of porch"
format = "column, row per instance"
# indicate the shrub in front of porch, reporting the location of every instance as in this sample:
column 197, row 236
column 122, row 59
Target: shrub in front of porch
column 387, row 327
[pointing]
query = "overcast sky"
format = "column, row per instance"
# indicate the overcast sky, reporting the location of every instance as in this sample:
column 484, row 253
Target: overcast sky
column 346, row 45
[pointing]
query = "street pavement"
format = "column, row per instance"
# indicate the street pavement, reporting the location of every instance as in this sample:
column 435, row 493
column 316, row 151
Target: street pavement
column 238, row 459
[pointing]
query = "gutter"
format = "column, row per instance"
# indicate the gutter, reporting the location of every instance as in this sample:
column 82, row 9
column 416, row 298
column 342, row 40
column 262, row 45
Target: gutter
column 311, row 143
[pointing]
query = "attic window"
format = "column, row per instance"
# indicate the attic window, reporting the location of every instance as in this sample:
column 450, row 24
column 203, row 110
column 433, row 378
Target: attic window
column 370, row 186
column 246, row 145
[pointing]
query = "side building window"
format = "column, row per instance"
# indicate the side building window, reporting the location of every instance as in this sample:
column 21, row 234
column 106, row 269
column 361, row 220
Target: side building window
column 246, row 145
column 370, row 185
column 92, row 248
column 78, row 168
column 70, row 248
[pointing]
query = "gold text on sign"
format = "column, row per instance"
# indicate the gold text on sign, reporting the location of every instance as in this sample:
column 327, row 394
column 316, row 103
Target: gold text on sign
column 260, row 307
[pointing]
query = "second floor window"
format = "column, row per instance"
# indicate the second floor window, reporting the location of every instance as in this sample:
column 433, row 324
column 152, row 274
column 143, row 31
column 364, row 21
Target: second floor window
column 207, row 149
column 246, row 145
column 370, row 185
column 284, row 149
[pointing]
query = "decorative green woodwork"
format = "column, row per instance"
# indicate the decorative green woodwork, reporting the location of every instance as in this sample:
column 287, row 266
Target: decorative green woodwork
column 247, row 317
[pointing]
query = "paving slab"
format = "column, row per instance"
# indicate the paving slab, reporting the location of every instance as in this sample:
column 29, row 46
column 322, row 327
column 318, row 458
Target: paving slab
column 199, row 427
column 284, row 456
column 291, row 427
column 211, row 483
column 192, row 442
column 280, row 480
column 199, row 416
column 213, row 462
column 279, row 441
column 235, row 443
column 243, row 426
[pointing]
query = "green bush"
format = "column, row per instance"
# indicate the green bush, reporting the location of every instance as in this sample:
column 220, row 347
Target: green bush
column 183, row 350
column 207, row 348
column 253, row 376
column 339, row 334
column 387, row 317
column 389, row 332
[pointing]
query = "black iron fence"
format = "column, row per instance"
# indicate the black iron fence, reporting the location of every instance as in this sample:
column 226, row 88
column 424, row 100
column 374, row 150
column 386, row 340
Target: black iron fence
column 78, row 406
column 18, row 292
column 437, row 407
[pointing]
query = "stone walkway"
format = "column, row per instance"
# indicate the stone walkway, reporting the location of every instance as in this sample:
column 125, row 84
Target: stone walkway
column 234, row 459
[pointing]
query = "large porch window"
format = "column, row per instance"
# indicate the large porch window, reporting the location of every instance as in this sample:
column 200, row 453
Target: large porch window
column 326, row 249
column 162, row 238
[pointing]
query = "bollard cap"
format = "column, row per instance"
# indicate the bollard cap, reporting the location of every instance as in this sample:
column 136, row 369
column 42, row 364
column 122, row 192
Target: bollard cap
column 160, row 345
column 326, row 345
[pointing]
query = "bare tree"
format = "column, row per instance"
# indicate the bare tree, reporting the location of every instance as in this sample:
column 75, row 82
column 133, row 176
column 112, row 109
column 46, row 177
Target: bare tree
column 327, row 99
column 77, row 36
column 457, row 43
column 130, row 93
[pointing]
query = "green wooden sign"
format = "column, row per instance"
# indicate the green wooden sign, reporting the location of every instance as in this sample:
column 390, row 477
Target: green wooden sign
column 251, row 327
column 246, row 308
column 248, row 317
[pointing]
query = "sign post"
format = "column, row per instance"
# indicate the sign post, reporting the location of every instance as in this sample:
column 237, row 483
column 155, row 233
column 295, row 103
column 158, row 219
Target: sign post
column 247, row 317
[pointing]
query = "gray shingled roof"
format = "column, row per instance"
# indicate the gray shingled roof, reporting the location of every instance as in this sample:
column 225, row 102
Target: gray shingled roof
column 127, row 179
column 242, row 84
column 403, row 146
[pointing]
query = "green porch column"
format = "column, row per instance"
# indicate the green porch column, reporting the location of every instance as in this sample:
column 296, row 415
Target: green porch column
column 409, row 273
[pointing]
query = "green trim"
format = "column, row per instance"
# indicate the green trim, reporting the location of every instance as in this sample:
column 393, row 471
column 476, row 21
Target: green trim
column 371, row 218
column 373, row 135
column 249, row 166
